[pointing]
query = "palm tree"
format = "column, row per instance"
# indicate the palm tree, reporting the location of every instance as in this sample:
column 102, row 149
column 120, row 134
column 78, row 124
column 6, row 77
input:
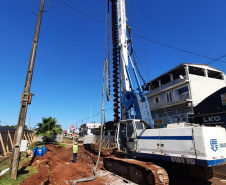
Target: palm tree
column 48, row 128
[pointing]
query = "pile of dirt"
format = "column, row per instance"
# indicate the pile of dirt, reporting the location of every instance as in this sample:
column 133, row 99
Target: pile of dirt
column 56, row 167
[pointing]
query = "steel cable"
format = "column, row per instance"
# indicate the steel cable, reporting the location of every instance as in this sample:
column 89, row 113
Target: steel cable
column 101, row 137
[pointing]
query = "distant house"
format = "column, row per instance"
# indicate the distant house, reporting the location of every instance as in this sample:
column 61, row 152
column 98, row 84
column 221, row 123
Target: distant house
column 109, row 128
column 86, row 129
column 173, row 95
column 71, row 132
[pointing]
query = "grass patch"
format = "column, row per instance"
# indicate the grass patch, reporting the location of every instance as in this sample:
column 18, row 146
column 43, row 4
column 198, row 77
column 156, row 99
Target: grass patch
column 23, row 158
column 4, row 164
column 36, row 144
column 59, row 144
column 40, row 144
column 22, row 174
column 66, row 138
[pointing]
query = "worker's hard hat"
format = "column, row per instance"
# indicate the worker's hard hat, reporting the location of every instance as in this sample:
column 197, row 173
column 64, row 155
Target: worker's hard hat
column 75, row 143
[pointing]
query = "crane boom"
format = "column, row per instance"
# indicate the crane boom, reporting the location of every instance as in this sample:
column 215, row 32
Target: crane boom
column 123, row 52
column 131, row 102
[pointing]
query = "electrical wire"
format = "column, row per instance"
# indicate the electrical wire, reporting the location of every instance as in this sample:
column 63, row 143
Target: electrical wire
column 93, row 115
column 77, row 10
column 101, row 137
column 217, row 59
column 147, row 39
column 175, row 48
column 32, row 2
column 145, row 57
column 49, row 5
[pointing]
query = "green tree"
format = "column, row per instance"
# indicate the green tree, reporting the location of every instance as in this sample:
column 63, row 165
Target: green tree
column 48, row 128
column 15, row 126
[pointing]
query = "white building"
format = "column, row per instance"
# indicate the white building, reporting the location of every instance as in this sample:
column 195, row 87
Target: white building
column 173, row 95
column 71, row 131
column 86, row 129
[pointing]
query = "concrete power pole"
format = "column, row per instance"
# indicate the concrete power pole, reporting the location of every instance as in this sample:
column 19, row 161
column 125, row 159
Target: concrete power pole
column 25, row 100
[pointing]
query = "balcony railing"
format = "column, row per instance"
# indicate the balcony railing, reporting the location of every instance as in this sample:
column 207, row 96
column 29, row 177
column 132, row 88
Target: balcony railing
column 167, row 85
column 176, row 118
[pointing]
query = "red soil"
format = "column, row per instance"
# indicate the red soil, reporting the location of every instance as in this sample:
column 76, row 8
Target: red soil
column 56, row 167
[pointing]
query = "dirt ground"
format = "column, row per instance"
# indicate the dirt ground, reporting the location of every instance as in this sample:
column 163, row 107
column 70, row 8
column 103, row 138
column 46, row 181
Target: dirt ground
column 56, row 168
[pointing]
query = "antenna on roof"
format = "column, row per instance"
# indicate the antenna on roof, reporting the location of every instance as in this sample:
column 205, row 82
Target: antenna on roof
column 181, row 77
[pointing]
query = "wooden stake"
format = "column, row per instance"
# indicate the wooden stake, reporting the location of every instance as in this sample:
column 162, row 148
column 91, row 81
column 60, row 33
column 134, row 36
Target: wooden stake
column 28, row 137
column 25, row 137
column 14, row 138
column 6, row 144
column 3, row 147
column 32, row 137
column 107, row 144
column 10, row 139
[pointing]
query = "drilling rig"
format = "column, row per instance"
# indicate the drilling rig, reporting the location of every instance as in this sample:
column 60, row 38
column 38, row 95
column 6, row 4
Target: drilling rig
column 194, row 148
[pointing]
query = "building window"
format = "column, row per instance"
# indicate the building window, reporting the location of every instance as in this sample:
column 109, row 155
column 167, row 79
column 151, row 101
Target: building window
column 215, row 74
column 169, row 96
column 196, row 71
column 156, row 99
column 182, row 93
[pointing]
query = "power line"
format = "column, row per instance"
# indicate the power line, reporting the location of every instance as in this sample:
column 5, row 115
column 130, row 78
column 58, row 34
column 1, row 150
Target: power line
column 147, row 39
column 217, row 59
column 145, row 57
column 93, row 115
column 77, row 10
column 178, row 49
column 32, row 2
column 49, row 4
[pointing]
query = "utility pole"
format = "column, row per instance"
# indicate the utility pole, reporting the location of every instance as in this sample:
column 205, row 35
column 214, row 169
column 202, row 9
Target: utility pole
column 90, row 113
column 25, row 100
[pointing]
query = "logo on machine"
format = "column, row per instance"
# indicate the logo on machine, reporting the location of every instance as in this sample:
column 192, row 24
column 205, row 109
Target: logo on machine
column 214, row 145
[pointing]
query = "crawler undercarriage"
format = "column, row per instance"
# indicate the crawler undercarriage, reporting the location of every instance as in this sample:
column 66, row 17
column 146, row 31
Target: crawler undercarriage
column 137, row 171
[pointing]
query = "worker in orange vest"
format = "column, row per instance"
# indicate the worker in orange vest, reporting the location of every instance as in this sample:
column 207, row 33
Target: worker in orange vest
column 75, row 151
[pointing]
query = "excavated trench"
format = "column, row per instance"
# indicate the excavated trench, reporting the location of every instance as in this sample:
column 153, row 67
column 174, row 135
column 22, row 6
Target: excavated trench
column 56, row 167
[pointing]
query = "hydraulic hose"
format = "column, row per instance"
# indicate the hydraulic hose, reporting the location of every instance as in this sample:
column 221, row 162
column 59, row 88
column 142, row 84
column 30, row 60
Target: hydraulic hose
column 101, row 136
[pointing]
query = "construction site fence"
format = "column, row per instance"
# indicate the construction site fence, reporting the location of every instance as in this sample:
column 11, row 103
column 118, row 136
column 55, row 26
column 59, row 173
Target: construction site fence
column 95, row 139
column 57, row 138
column 7, row 140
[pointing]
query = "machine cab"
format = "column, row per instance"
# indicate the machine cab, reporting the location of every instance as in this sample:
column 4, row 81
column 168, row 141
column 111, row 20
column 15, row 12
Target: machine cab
column 128, row 132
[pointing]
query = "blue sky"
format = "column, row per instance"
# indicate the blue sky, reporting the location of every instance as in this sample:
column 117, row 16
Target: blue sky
column 67, row 77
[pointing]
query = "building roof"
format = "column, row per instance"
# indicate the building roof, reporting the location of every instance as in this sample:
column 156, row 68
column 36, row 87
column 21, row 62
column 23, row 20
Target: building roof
column 182, row 64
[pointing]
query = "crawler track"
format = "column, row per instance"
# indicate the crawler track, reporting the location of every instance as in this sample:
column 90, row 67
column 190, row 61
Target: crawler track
column 137, row 171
